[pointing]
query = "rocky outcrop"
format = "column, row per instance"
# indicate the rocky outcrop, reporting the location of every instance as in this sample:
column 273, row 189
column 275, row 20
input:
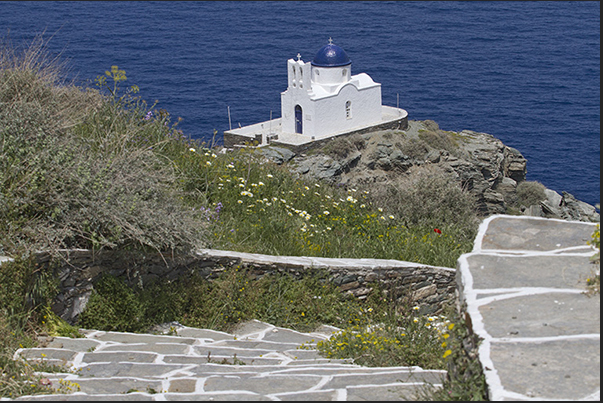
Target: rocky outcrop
column 564, row 206
column 479, row 162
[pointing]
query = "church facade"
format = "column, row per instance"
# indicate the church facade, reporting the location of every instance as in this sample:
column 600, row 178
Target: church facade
column 323, row 99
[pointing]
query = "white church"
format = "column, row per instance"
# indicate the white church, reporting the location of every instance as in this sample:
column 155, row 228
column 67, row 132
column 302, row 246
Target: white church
column 322, row 100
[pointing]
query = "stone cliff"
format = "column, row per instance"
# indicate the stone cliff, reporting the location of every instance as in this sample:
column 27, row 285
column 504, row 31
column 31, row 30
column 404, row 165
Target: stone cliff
column 479, row 162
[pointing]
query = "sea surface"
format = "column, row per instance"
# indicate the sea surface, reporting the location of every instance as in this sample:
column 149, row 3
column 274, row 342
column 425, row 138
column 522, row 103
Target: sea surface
column 526, row 72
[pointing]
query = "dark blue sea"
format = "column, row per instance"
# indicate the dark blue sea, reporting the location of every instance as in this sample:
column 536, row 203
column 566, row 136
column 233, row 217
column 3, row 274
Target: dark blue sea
column 526, row 72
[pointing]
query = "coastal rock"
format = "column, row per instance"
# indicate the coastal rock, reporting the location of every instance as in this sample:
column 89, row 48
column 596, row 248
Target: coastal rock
column 574, row 209
column 479, row 162
column 508, row 188
column 278, row 155
column 565, row 207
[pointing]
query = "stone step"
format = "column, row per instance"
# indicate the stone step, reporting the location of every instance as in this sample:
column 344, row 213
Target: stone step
column 257, row 362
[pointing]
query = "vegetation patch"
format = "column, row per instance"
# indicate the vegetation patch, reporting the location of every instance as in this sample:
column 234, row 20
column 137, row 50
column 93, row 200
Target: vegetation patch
column 530, row 193
column 593, row 283
column 98, row 168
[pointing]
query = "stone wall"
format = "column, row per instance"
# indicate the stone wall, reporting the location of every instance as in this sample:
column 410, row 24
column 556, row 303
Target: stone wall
column 399, row 124
column 430, row 286
column 231, row 139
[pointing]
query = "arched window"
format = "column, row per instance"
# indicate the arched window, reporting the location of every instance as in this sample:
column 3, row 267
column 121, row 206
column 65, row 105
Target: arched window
column 348, row 110
column 298, row 119
column 344, row 72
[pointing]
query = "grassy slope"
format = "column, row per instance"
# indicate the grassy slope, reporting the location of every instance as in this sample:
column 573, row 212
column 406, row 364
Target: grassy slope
column 99, row 168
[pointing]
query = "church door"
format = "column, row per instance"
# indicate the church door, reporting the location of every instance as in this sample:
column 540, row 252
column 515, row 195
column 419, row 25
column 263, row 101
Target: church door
column 298, row 119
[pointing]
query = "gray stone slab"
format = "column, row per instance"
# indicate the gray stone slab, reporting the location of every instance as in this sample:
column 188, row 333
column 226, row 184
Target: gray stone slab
column 529, row 271
column 204, row 334
column 89, row 398
column 141, row 338
column 251, row 327
column 386, row 393
column 229, row 397
column 319, row 361
column 326, row 330
column 184, row 385
column 281, row 335
column 118, row 385
column 159, row 348
column 303, row 354
column 384, row 377
column 221, row 350
column 220, row 359
column 262, row 385
column 131, row 369
column 129, row 356
column 309, row 396
column 79, row 345
column 218, row 369
column 552, row 370
column 316, row 368
column 515, row 233
column 356, row 370
column 46, row 354
column 257, row 345
column 543, row 315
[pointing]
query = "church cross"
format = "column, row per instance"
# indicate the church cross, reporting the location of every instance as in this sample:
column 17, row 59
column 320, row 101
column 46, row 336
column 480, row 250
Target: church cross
column 330, row 40
column 298, row 57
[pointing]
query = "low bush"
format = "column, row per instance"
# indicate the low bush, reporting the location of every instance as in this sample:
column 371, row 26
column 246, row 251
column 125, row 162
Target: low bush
column 530, row 193
column 83, row 170
column 25, row 292
column 440, row 140
column 432, row 198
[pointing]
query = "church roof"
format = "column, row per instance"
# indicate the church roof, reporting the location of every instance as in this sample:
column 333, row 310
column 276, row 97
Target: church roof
column 331, row 56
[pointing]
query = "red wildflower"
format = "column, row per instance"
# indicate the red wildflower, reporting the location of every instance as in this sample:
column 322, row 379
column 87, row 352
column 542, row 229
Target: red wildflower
column 437, row 231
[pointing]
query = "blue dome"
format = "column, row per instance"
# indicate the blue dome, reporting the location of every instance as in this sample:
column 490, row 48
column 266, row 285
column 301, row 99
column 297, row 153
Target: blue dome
column 331, row 56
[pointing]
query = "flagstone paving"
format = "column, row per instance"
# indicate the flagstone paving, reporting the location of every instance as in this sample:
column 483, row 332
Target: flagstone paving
column 257, row 362
column 524, row 285
column 524, row 290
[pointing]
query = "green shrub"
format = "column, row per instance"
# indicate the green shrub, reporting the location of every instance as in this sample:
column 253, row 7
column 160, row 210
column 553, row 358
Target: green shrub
column 465, row 379
column 530, row 193
column 25, row 292
column 414, row 148
column 83, row 170
column 388, row 329
column 431, row 198
column 235, row 296
column 439, row 140
column 113, row 305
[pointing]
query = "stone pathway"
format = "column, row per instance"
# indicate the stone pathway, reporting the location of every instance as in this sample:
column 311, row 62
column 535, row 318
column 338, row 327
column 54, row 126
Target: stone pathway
column 257, row 362
column 524, row 285
column 524, row 288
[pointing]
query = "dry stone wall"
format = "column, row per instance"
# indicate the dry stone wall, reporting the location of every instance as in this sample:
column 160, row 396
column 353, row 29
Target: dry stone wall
column 431, row 287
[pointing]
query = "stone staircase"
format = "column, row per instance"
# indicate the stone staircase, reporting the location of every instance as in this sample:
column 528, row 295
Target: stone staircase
column 257, row 362
column 523, row 287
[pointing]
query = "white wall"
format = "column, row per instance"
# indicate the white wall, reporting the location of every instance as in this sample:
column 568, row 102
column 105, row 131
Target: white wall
column 330, row 112
column 323, row 101
column 331, row 75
